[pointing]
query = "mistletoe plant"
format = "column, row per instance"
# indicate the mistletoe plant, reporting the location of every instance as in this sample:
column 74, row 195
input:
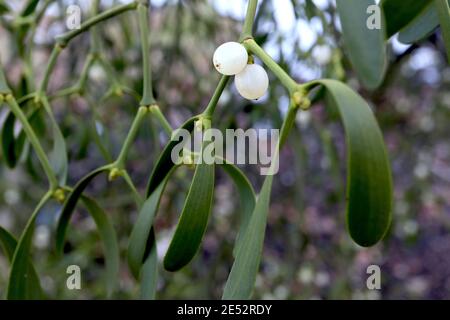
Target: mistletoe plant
column 369, row 182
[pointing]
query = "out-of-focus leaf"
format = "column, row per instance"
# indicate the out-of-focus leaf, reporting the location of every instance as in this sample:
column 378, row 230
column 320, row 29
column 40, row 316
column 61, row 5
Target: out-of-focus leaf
column 369, row 61
column 58, row 156
column 165, row 163
column 8, row 141
column 70, row 204
column 443, row 9
column 110, row 244
column 3, row 8
column 247, row 199
column 194, row 218
column 29, row 8
column 421, row 27
column 399, row 14
column 9, row 244
column 369, row 179
column 20, row 274
column 139, row 238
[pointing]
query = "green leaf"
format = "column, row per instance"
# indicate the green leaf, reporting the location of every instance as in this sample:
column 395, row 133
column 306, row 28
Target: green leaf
column 165, row 164
column 29, row 8
column 443, row 9
column 18, row 284
column 194, row 219
column 366, row 48
column 421, row 27
column 110, row 244
column 247, row 199
column 140, row 237
column 9, row 244
column 369, row 179
column 8, row 141
column 70, row 204
column 245, row 268
column 3, row 8
column 399, row 14
column 150, row 273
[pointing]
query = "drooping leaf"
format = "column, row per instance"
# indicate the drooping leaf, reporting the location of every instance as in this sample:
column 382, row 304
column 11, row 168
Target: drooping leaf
column 150, row 273
column 110, row 244
column 399, row 14
column 9, row 243
column 245, row 268
column 139, row 238
column 20, row 273
column 247, row 199
column 369, row 61
column 369, row 179
column 242, row 277
column 8, row 141
column 165, row 163
column 194, row 218
column 70, row 204
column 421, row 27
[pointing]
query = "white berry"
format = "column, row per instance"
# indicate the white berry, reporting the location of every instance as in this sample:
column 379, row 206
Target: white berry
column 253, row 82
column 230, row 58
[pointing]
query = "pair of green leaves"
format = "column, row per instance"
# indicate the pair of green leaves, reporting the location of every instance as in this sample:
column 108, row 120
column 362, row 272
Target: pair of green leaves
column 412, row 19
column 369, row 188
column 193, row 220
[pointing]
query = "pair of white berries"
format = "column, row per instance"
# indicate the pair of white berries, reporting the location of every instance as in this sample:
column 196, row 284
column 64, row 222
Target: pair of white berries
column 251, row 80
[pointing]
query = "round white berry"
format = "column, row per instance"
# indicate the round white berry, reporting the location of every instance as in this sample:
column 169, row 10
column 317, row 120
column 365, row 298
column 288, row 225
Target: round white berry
column 230, row 58
column 253, row 82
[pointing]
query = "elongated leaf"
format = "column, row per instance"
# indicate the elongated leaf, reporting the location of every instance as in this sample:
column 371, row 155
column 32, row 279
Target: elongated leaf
column 139, row 238
column 9, row 243
column 245, row 268
column 29, row 8
column 110, row 244
column 18, row 283
column 8, row 141
column 247, row 199
column 58, row 155
column 194, row 219
column 443, row 9
column 421, row 27
column 70, row 204
column 366, row 48
column 150, row 274
column 165, row 163
column 369, row 180
column 399, row 14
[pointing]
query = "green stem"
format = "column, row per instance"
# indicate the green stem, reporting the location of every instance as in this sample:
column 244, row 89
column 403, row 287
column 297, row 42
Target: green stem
column 120, row 162
column 443, row 9
column 282, row 75
column 216, row 96
column 50, row 66
column 66, row 37
column 154, row 109
column 33, row 140
column 136, row 195
column 249, row 20
column 147, row 96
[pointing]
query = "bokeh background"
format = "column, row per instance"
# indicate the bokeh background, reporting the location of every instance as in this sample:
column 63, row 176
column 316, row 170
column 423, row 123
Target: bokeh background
column 307, row 254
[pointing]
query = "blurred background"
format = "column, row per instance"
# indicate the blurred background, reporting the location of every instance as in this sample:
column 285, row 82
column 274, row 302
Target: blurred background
column 307, row 254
